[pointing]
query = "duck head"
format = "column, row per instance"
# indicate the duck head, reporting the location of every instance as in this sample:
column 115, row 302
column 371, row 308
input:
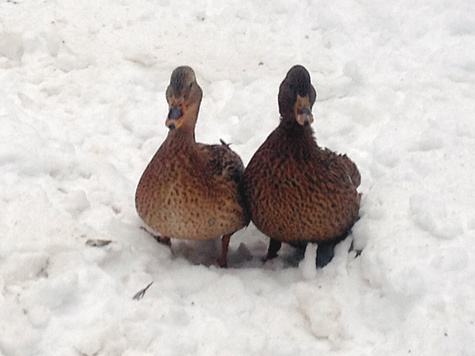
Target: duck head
column 297, row 96
column 184, row 99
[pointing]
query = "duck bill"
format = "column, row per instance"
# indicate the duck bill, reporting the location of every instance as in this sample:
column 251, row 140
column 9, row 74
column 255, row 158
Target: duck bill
column 305, row 119
column 303, row 111
column 175, row 118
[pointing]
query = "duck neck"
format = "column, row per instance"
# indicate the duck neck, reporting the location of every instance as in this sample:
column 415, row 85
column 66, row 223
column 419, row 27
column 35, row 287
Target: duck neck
column 292, row 129
column 182, row 138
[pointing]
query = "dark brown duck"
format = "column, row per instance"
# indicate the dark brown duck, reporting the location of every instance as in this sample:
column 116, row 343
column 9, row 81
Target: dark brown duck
column 191, row 190
column 296, row 191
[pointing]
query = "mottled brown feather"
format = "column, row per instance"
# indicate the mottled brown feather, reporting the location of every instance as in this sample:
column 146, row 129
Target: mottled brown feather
column 191, row 190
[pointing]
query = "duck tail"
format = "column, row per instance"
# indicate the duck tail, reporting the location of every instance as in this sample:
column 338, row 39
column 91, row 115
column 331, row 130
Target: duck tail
column 224, row 143
column 352, row 171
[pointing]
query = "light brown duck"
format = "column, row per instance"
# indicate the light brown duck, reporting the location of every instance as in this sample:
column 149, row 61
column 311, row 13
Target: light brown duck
column 191, row 190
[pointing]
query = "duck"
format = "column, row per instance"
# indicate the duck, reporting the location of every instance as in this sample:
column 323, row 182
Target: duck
column 296, row 191
column 191, row 190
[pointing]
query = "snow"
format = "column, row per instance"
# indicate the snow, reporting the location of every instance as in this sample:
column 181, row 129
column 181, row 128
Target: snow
column 82, row 111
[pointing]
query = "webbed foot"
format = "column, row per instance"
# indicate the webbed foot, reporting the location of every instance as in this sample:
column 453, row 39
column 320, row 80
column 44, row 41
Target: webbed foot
column 223, row 261
column 161, row 239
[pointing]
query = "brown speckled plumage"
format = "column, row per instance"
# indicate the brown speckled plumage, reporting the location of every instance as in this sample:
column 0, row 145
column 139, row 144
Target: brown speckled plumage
column 296, row 191
column 191, row 190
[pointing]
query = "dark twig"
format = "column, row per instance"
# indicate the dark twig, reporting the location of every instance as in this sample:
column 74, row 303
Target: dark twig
column 141, row 292
column 98, row 242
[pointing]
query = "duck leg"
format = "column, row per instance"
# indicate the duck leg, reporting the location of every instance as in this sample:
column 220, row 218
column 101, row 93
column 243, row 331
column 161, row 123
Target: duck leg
column 274, row 247
column 325, row 254
column 223, row 261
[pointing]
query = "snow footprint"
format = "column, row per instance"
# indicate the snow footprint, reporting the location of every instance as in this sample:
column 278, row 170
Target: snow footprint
column 430, row 213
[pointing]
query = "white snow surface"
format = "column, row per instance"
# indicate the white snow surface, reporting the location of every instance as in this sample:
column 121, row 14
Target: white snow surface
column 82, row 111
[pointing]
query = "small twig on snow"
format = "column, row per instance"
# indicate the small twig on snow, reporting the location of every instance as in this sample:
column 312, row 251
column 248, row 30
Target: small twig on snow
column 98, row 242
column 141, row 292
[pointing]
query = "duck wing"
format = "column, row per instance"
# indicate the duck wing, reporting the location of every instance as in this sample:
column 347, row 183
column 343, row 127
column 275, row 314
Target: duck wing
column 226, row 166
column 223, row 162
column 341, row 167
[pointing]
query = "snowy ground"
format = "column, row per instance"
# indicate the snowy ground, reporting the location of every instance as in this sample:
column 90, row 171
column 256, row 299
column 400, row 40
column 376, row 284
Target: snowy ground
column 82, row 111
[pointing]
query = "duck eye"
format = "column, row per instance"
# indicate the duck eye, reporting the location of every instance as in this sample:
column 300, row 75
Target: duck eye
column 191, row 85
